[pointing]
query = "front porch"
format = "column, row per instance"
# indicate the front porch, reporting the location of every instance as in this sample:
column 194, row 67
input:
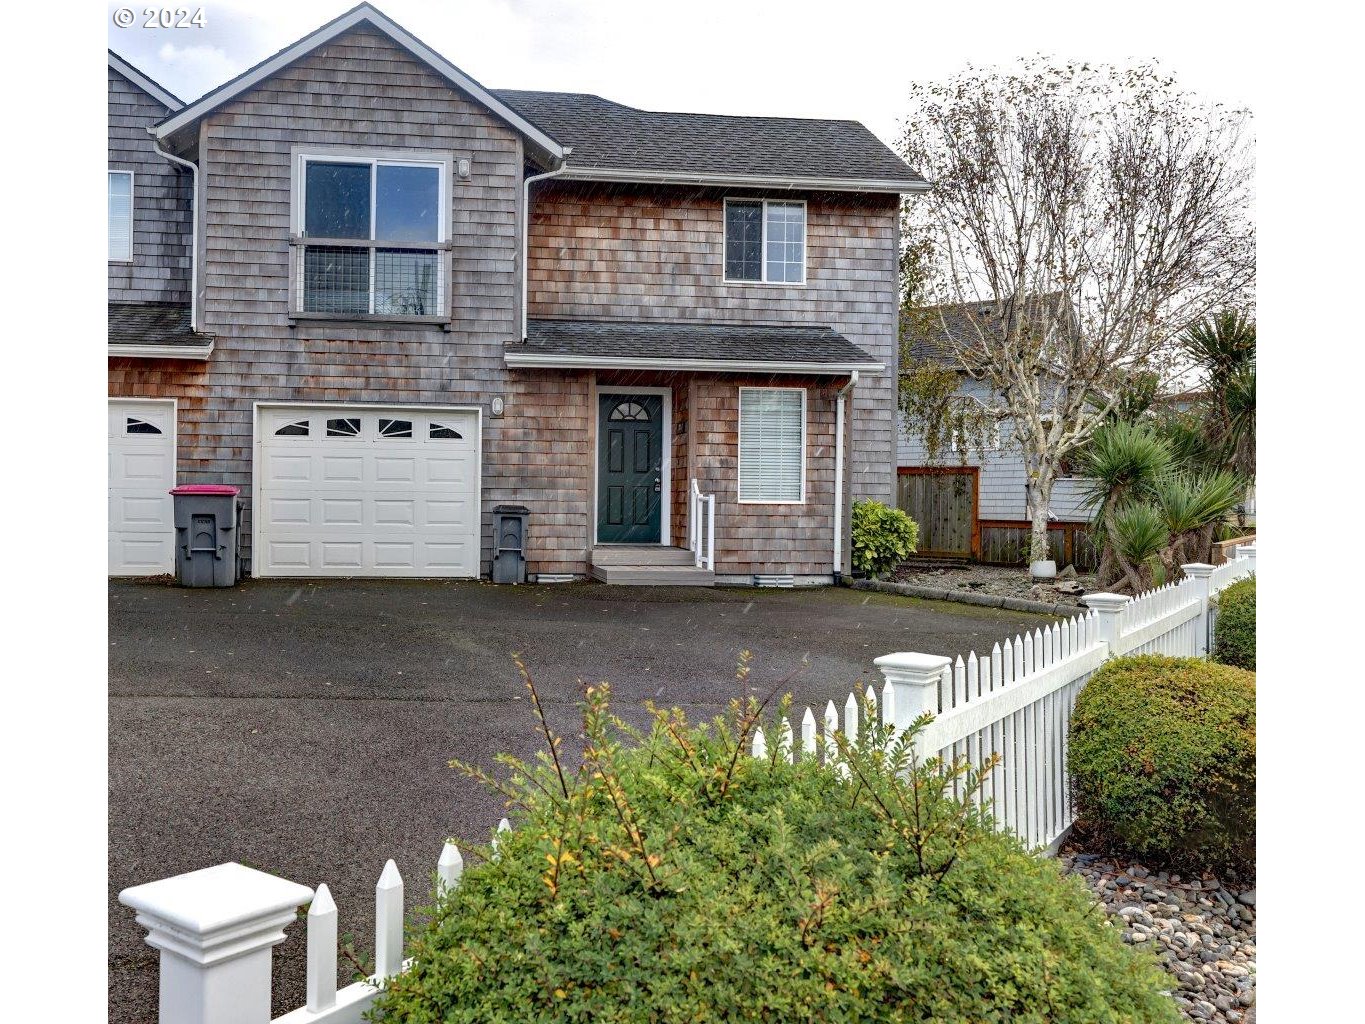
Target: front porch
column 645, row 565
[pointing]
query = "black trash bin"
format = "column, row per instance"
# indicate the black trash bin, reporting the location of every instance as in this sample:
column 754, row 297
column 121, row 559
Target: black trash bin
column 207, row 520
column 509, row 543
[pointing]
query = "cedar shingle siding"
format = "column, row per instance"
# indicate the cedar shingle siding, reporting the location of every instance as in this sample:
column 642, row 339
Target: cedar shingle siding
column 596, row 252
column 160, row 270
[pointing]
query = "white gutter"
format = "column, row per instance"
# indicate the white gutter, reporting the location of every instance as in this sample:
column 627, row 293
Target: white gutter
column 549, row 360
column 817, row 184
column 161, row 351
column 839, row 473
column 526, row 234
column 194, row 228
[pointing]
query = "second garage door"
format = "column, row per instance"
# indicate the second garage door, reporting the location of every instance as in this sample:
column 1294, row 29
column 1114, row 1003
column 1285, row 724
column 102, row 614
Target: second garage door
column 364, row 491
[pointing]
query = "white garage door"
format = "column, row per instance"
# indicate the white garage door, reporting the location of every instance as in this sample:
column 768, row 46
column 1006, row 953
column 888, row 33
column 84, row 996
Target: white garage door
column 367, row 492
column 141, row 474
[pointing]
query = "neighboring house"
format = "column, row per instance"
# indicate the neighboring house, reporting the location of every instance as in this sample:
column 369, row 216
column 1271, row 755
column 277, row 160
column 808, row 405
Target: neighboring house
column 973, row 503
column 330, row 294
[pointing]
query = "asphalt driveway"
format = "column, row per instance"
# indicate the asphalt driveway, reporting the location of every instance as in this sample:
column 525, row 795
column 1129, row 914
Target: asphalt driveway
column 305, row 728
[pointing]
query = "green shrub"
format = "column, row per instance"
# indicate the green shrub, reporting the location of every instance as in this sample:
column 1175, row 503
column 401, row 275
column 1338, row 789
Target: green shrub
column 882, row 537
column 672, row 878
column 1163, row 761
column 1234, row 628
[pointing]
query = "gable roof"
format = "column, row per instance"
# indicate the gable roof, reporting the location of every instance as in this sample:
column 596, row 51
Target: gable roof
column 152, row 88
column 614, row 142
column 693, row 345
column 361, row 14
column 935, row 333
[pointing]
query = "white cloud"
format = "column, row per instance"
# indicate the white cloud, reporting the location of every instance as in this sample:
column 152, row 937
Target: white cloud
column 195, row 68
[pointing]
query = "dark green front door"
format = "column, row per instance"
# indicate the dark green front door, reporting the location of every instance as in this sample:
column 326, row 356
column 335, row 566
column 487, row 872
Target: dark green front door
column 630, row 441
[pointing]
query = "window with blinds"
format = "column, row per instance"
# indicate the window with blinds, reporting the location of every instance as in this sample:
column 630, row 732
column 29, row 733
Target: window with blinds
column 120, row 215
column 772, row 445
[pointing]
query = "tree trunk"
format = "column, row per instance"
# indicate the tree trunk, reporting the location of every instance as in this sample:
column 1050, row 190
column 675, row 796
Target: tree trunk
column 1039, row 498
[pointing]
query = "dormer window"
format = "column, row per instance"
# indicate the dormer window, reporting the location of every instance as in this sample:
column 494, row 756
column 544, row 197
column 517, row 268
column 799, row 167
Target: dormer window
column 765, row 241
column 371, row 236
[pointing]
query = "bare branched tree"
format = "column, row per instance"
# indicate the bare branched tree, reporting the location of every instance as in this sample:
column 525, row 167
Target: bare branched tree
column 1087, row 215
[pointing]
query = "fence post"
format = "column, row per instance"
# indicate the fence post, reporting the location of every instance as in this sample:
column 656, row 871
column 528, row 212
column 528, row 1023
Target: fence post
column 1246, row 551
column 1109, row 606
column 215, row 928
column 914, row 681
column 1202, row 574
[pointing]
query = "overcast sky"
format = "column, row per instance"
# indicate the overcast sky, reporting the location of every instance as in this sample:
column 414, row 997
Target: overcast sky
column 852, row 59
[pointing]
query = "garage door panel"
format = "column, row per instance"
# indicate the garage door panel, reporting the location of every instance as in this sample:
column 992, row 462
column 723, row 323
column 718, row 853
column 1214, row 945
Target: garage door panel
column 141, row 450
column 378, row 497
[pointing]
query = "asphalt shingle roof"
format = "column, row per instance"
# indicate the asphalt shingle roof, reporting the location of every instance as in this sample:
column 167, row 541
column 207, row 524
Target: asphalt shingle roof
column 802, row 343
column 152, row 323
column 607, row 135
column 934, row 333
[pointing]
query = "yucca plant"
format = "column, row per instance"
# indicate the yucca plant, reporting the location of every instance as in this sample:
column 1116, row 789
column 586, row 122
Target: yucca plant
column 1120, row 466
column 1223, row 347
column 1191, row 507
column 1135, row 534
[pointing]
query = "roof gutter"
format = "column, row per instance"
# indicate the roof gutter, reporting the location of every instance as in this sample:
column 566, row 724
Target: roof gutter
column 747, row 180
column 194, row 227
column 549, row 360
column 526, row 234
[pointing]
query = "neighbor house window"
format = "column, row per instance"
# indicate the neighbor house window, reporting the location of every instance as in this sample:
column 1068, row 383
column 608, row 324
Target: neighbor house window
column 121, row 215
column 772, row 445
column 372, row 236
column 765, row 241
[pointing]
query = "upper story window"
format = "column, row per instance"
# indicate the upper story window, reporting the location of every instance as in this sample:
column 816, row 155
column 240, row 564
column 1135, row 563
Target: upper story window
column 372, row 236
column 765, row 241
column 121, row 216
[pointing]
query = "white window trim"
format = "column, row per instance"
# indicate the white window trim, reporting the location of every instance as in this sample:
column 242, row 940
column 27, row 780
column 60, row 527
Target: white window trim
column 132, row 218
column 739, row 454
column 763, row 244
column 374, row 158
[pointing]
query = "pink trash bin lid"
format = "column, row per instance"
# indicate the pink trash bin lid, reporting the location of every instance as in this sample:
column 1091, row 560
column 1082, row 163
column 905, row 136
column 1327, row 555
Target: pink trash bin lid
column 221, row 489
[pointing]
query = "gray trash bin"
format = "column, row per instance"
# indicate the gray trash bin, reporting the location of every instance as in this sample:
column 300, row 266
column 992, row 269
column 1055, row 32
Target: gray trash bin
column 207, row 520
column 509, row 543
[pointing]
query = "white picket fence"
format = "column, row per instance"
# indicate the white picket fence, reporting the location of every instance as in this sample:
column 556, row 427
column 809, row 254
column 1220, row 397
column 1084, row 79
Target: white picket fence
column 216, row 927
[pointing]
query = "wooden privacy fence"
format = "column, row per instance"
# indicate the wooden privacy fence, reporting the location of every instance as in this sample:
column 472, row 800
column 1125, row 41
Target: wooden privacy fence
column 215, row 928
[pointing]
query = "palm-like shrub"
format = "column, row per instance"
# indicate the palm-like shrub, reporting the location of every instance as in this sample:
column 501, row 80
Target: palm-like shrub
column 1136, row 534
column 1121, row 463
column 1191, row 507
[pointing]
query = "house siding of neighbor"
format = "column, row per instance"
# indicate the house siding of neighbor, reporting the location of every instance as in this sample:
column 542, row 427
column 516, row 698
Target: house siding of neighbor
column 380, row 445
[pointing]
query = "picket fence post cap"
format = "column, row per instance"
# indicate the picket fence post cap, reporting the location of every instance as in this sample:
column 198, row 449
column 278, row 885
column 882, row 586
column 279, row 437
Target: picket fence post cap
column 1197, row 570
column 1106, row 602
column 216, row 913
column 912, row 667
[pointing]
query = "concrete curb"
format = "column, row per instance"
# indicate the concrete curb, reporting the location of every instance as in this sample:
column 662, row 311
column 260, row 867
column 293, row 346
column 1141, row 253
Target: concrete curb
column 1012, row 604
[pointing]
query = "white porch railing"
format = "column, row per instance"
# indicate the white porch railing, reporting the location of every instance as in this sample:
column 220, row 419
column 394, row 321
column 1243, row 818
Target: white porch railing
column 216, row 927
column 701, row 519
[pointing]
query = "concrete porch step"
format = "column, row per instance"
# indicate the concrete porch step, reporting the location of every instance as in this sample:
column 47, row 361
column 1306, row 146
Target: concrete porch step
column 653, row 575
column 640, row 554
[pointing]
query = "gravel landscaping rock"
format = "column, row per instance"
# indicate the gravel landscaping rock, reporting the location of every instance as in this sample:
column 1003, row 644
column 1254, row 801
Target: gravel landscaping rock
column 1203, row 934
column 998, row 581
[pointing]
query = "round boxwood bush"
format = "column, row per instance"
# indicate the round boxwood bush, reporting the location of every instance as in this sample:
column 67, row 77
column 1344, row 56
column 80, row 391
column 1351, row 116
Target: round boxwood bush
column 673, row 878
column 883, row 537
column 1163, row 761
column 1234, row 629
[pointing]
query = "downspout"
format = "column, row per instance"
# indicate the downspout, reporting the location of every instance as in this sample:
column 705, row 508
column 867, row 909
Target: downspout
column 194, row 230
column 839, row 474
column 526, row 233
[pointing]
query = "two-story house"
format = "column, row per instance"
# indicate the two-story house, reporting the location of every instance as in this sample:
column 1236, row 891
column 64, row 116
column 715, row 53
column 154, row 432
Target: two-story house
column 383, row 299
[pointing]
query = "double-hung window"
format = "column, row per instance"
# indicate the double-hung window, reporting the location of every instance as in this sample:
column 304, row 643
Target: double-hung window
column 371, row 236
column 765, row 241
column 121, row 216
column 772, row 445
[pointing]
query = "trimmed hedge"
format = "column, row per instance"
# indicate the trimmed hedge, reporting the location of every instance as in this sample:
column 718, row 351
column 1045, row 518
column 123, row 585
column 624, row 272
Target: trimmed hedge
column 1234, row 628
column 1163, row 761
column 675, row 880
column 883, row 537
